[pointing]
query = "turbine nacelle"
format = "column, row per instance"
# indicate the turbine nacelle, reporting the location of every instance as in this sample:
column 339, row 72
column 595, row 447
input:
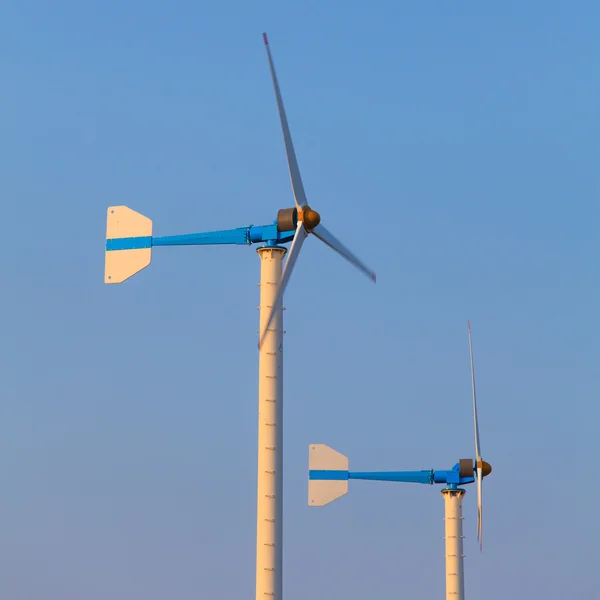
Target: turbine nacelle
column 468, row 467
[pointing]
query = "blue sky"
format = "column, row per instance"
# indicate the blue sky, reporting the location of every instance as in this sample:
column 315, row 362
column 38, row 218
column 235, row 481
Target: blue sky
column 454, row 147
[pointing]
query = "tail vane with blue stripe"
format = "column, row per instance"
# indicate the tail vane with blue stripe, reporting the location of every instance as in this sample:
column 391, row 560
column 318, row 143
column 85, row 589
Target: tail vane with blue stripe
column 128, row 244
column 327, row 475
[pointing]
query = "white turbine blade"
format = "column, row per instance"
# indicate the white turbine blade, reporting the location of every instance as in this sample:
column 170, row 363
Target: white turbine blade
column 475, row 422
column 480, row 507
column 477, row 448
column 297, row 187
column 294, row 250
column 325, row 236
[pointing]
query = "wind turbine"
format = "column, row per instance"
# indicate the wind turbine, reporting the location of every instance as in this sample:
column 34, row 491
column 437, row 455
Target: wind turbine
column 328, row 478
column 129, row 244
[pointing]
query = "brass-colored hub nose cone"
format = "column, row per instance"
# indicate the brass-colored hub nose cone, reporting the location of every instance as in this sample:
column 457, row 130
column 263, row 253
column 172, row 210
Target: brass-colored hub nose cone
column 309, row 217
column 486, row 468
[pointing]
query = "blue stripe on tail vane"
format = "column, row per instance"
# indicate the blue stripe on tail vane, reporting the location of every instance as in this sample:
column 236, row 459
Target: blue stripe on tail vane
column 132, row 243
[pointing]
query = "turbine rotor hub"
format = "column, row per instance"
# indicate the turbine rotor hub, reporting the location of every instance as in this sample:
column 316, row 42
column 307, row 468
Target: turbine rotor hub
column 310, row 218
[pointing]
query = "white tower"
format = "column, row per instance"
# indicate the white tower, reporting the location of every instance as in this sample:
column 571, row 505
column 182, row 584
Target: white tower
column 269, row 509
column 455, row 577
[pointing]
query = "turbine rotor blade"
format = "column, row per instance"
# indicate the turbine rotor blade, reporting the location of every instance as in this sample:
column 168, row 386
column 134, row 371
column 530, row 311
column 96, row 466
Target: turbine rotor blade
column 477, row 448
column 295, row 178
column 328, row 238
column 293, row 253
column 480, row 507
column 475, row 422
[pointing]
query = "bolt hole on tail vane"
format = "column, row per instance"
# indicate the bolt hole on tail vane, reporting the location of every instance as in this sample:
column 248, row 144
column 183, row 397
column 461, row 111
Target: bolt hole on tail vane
column 129, row 246
column 329, row 475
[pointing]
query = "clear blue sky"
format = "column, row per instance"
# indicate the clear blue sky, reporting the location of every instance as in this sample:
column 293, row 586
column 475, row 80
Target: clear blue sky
column 453, row 146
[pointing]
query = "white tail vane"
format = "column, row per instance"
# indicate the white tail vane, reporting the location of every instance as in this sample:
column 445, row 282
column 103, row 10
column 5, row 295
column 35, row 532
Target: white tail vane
column 128, row 244
column 308, row 219
column 478, row 458
column 327, row 475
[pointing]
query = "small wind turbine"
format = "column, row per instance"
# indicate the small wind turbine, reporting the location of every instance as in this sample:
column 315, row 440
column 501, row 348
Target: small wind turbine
column 129, row 244
column 328, row 477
